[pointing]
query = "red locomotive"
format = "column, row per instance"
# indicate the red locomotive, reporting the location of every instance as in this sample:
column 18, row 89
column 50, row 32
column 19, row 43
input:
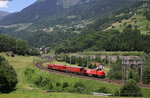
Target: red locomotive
column 77, row 70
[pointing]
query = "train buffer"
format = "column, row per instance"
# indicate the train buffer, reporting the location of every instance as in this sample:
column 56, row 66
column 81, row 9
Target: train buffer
column 102, row 94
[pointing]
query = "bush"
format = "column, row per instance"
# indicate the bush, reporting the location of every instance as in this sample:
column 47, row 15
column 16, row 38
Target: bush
column 65, row 84
column 3, row 61
column 44, row 82
column 130, row 89
column 134, row 74
column 58, row 84
column 8, row 76
column 146, row 68
column 50, row 86
column 38, row 81
column 102, row 90
column 146, row 75
column 116, row 70
column 78, row 87
column 29, row 71
column 90, row 66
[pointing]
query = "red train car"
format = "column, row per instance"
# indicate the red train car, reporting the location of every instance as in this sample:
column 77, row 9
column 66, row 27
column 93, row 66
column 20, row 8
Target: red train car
column 74, row 69
column 95, row 73
column 101, row 74
column 57, row 67
column 91, row 72
column 50, row 66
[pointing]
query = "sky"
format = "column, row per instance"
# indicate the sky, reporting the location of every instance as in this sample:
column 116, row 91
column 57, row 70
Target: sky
column 14, row 5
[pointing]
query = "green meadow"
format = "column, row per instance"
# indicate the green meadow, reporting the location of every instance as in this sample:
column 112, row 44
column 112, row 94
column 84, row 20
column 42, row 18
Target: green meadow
column 27, row 89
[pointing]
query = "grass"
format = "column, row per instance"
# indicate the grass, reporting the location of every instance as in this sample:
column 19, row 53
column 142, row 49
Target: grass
column 20, row 63
column 146, row 92
column 43, row 94
column 124, row 53
column 90, row 84
column 26, row 89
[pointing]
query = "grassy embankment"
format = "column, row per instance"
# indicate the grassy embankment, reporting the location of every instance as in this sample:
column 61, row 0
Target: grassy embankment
column 26, row 89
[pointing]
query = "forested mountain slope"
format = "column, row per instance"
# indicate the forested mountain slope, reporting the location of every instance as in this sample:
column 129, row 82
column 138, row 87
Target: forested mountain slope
column 80, row 9
column 36, row 11
column 112, row 40
column 47, row 22
column 104, row 34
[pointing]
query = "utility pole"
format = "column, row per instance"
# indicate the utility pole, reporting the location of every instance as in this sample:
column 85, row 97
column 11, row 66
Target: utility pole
column 70, row 64
column 141, row 72
column 87, row 61
column 123, row 80
column 65, row 60
column 109, row 61
column 70, row 60
column 76, row 60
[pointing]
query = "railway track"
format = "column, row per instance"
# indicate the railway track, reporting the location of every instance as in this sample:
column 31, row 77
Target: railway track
column 39, row 65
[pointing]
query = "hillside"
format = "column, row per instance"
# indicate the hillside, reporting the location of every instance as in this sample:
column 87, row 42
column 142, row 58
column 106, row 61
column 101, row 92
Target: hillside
column 40, row 9
column 27, row 88
column 58, row 9
column 44, row 27
column 3, row 13
column 88, row 34
column 126, row 31
column 138, row 21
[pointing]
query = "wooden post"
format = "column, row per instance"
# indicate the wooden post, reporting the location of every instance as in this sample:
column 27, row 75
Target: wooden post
column 70, row 60
column 127, row 72
column 123, row 74
column 109, row 61
column 65, row 60
column 87, row 61
column 76, row 59
column 141, row 74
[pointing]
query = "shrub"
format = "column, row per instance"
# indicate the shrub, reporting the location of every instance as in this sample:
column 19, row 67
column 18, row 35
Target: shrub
column 65, row 84
column 58, row 84
column 130, row 89
column 29, row 71
column 134, row 74
column 90, row 66
column 102, row 90
column 38, row 81
column 3, row 61
column 115, row 72
column 8, row 76
column 117, row 93
column 146, row 75
column 44, row 82
column 50, row 86
column 79, row 87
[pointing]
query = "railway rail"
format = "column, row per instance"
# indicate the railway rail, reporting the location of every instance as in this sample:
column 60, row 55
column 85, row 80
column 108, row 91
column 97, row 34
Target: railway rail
column 119, row 82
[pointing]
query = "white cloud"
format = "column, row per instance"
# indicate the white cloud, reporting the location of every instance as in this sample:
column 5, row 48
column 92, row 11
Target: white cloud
column 3, row 4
